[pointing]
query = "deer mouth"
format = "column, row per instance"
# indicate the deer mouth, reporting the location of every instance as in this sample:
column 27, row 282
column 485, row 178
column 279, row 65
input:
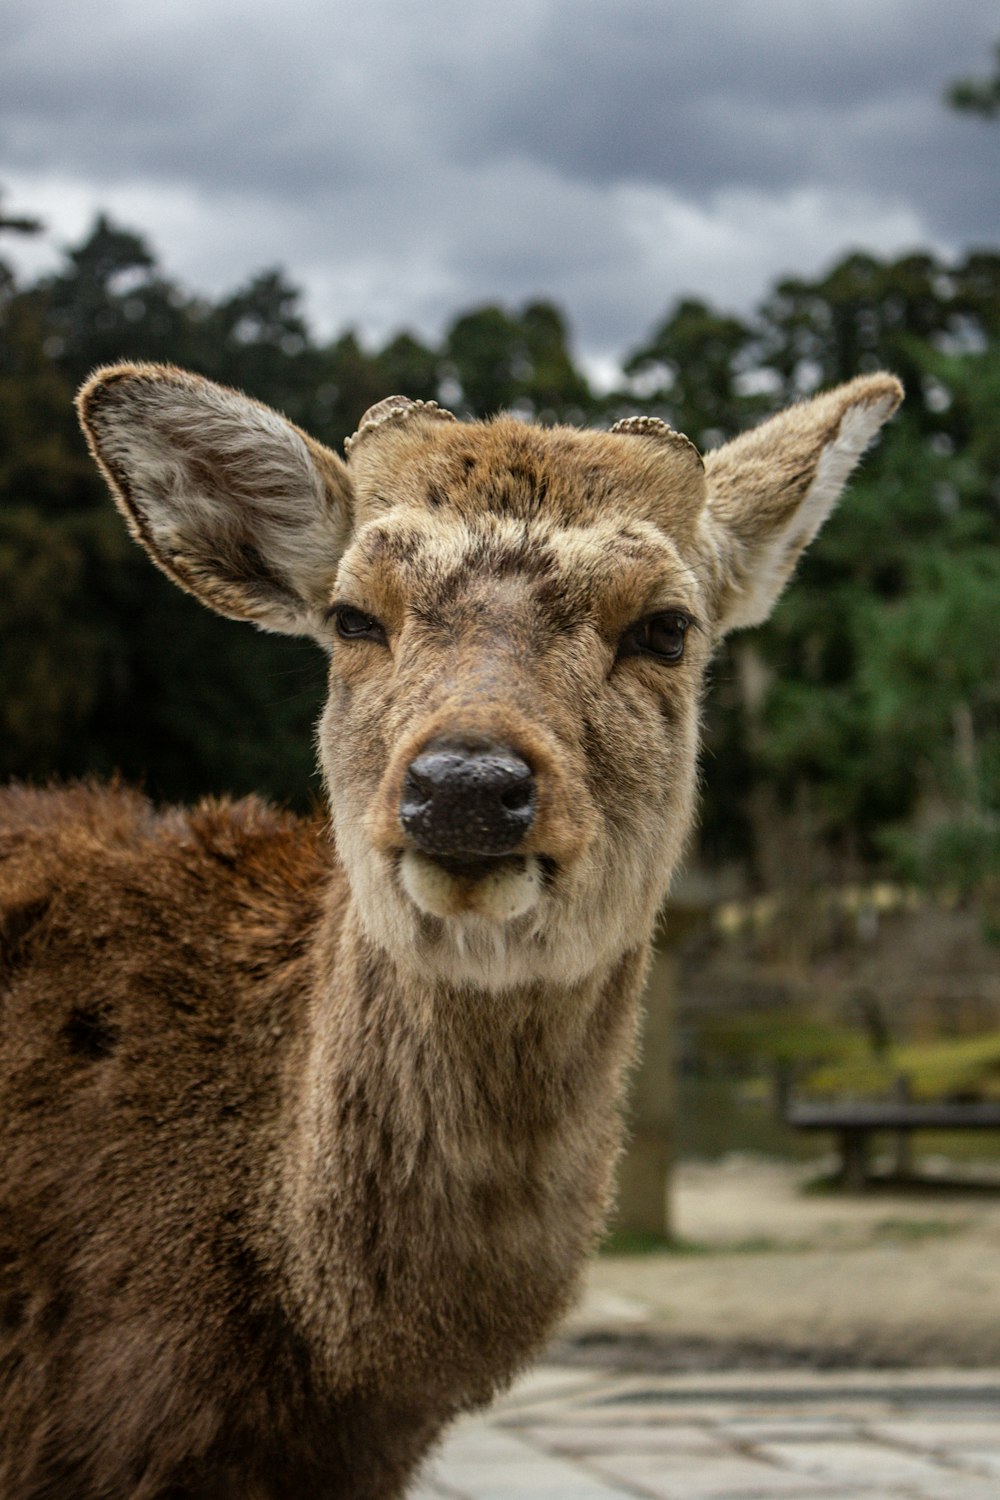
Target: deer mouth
column 499, row 887
column 474, row 866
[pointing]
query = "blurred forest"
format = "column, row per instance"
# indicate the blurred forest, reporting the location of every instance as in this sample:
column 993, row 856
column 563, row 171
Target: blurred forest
column 858, row 733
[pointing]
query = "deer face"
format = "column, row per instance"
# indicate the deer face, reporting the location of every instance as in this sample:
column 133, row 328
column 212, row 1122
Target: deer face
column 518, row 623
column 517, row 649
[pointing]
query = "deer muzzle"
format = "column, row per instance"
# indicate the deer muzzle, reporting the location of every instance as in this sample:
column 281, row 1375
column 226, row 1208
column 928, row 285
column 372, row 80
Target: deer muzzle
column 466, row 803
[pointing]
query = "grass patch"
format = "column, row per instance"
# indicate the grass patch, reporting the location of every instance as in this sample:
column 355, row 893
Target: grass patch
column 632, row 1242
column 914, row 1231
column 637, row 1242
column 760, row 1244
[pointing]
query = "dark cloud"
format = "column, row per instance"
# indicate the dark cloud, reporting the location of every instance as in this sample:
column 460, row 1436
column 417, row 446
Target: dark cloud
column 405, row 161
column 768, row 96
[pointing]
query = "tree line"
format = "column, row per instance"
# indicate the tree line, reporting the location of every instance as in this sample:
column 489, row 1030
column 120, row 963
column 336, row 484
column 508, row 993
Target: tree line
column 861, row 724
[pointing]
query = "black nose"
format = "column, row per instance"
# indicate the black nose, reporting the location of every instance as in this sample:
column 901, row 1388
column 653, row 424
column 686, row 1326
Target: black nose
column 460, row 800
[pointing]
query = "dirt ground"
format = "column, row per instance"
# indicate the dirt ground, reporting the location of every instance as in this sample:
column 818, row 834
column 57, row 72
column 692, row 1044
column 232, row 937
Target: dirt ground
column 770, row 1273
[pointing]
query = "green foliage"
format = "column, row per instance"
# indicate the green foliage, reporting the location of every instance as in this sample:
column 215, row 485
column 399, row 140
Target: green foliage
column 691, row 369
column 770, row 1037
column 962, row 855
column 105, row 666
column 49, row 571
column 880, row 713
column 520, row 361
column 868, row 314
column 408, row 368
column 891, row 647
column 967, row 1068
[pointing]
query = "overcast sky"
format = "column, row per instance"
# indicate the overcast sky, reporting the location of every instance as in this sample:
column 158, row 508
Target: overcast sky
column 407, row 161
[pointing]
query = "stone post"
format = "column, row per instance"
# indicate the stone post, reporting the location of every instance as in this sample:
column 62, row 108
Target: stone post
column 644, row 1171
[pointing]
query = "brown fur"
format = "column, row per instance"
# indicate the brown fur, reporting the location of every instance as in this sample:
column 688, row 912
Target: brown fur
column 305, row 1139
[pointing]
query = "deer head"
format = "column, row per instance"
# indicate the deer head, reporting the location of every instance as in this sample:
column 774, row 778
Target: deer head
column 518, row 622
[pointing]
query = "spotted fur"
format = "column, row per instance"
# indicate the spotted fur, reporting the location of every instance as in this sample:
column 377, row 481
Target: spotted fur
column 306, row 1139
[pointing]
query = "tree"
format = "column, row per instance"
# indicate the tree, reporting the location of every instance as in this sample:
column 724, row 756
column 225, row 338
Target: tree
column 866, row 710
column 979, row 96
column 13, row 224
column 691, row 367
column 515, row 361
column 349, row 381
column 109, row 302
column 549, row 382
column 18, row 223
column 106, row 666
column 867, row 313
column 257, row 339
column 409, row 368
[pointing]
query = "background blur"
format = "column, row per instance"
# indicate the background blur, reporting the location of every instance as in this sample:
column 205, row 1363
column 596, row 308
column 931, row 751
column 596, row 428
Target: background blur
column 578, row 212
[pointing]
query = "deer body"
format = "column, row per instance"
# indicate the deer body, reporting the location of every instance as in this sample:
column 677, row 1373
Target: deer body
column 305, row 1139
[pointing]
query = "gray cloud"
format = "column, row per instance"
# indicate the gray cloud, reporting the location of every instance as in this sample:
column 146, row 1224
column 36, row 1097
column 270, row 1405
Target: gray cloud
column 768, row 96
column 404, row 163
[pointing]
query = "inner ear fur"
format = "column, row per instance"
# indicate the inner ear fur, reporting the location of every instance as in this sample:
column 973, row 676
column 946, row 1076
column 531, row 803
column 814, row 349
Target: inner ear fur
column 771, row 489
column 231, row 500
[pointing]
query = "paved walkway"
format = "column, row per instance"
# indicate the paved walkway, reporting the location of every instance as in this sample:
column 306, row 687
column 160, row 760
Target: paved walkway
column 564, row 1434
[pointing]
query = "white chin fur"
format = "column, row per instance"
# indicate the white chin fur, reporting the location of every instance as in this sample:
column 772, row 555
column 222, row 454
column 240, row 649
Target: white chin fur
column 506, row 893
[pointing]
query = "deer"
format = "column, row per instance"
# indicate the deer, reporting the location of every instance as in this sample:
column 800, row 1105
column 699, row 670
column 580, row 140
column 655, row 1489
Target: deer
column 309, row 1124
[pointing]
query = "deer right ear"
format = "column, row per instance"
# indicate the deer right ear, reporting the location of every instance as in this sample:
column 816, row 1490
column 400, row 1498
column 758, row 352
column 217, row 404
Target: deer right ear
column 229, row 499
column 770, row 490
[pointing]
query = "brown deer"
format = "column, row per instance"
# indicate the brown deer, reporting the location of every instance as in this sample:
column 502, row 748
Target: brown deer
column 308, row 1131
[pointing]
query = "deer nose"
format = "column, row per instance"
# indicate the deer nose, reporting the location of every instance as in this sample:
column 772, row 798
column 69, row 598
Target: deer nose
column 461, row 800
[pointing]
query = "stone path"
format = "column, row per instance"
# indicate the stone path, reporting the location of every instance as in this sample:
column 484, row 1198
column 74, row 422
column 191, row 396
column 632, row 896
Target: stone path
column 567, row 1434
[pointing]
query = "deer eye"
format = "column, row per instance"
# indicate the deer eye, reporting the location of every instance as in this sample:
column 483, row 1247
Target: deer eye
column 354, row 625
column 660, row 636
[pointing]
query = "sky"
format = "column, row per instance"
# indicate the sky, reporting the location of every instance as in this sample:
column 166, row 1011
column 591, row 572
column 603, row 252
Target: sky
column 405, row 162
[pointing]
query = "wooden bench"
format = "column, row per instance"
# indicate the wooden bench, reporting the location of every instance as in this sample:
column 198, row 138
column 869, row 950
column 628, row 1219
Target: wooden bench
column 855, row 1122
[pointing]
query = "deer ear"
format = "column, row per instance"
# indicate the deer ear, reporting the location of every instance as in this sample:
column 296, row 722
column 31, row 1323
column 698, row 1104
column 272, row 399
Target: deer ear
column 770, row 490
column 229, row 499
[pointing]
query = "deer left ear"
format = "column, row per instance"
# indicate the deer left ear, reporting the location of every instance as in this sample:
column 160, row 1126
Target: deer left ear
column 770, row 490
column 232, row 501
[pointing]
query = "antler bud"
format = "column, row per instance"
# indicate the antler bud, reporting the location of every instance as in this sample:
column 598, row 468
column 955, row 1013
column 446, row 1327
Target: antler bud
column 396, row 409
column 659, row 431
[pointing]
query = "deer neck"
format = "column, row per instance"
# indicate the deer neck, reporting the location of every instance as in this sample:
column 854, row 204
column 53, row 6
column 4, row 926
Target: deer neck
column 452, row 1151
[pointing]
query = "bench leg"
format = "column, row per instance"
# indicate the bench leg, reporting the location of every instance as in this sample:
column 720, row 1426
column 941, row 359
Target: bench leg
column 854, row 1159
column 904, row 1154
